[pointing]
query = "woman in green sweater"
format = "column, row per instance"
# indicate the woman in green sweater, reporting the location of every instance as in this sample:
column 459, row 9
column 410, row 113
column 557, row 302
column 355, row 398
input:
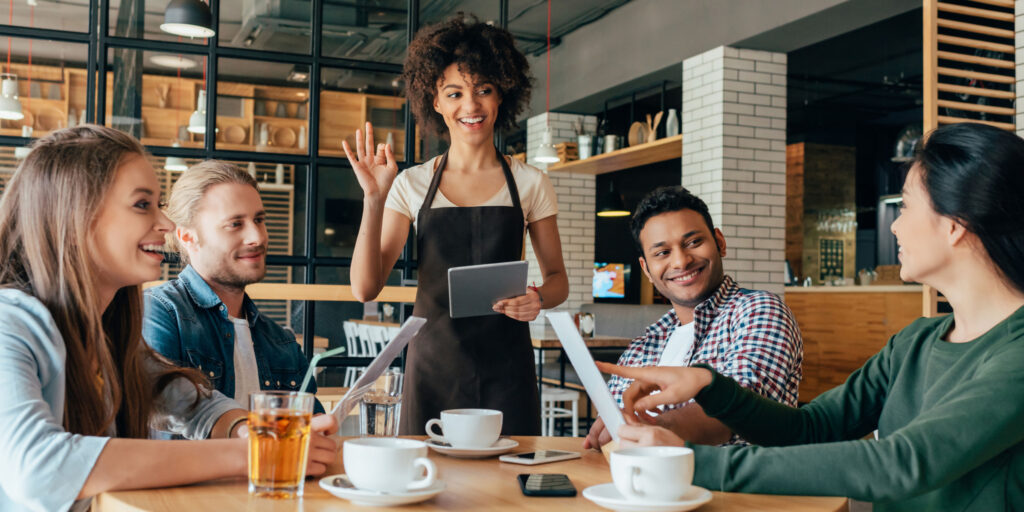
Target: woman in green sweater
column 946, row 394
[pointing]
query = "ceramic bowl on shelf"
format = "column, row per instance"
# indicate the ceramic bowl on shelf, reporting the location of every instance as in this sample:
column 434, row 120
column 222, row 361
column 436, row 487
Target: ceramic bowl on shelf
column 284, row 137
column 50, row 118
column 234, row 134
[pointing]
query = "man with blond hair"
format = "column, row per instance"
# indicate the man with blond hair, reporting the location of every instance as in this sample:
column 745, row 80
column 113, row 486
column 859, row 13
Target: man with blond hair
column 204, row 319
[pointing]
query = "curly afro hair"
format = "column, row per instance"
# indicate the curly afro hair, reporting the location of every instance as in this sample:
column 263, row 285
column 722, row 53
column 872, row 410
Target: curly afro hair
column 480, row 50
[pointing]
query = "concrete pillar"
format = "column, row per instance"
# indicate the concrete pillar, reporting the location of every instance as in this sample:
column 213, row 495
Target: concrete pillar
column 734, row 156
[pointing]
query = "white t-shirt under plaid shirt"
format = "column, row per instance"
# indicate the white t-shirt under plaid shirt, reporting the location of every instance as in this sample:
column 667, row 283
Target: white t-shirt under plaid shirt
column 748, row 335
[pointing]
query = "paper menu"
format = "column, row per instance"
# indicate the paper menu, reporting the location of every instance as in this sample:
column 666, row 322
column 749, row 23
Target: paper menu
column 378, row 366
column 583, row 363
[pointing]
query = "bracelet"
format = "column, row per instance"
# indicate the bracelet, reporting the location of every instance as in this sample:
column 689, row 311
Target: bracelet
column 539, row 296
column 234, row 423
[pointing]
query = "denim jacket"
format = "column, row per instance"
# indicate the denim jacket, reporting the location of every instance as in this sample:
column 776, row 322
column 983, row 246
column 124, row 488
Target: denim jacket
column 187, row 323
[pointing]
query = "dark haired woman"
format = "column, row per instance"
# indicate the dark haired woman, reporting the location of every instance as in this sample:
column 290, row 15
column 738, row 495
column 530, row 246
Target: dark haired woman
column 469, row 206
column 945, row 394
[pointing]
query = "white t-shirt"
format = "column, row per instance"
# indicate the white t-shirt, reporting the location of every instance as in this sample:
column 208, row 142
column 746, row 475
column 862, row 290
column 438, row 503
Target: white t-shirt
column 247, row 375
column 536, row 194
column 678, row 346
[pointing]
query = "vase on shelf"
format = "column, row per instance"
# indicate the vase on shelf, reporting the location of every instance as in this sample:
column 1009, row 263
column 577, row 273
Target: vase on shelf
column 672, row 123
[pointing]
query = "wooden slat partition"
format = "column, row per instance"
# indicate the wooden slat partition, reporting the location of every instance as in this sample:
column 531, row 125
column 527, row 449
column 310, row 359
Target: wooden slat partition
column 976, row 75
column 973, row 59
column 976, row 91
column 973, row 27
column 975, row 43
column 967, row 79
column 1006, row 111
column 952, row 120
column 973, row 11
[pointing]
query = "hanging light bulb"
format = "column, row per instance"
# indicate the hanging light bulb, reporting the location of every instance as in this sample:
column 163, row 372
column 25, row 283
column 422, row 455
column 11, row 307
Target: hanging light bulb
column 10, row 106
column 546, row 153
column 612, row 204
column 197, row 121
column 175, row 163
column 188, row 18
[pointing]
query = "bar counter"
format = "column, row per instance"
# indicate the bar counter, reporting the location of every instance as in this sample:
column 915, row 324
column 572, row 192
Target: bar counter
column 843, row 326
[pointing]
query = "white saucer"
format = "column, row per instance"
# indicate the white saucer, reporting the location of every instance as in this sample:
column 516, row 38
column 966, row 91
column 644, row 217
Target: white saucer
column 376, row 498
column 499, row 447
column 607, row 496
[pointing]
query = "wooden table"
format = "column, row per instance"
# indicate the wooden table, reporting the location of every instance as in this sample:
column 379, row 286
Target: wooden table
column 472, row 485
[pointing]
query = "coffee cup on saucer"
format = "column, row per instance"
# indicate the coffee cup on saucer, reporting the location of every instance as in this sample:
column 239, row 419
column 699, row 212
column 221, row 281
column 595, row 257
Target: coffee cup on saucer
column 652, row 473
column 467, row 428
column 386, row 464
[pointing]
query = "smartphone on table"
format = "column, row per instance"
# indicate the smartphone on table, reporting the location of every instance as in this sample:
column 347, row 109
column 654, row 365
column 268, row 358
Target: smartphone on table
column 539, row 457
column 546, row 484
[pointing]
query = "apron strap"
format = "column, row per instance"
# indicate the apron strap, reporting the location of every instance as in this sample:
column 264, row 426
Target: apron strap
column 513, row 190
column 435, row 183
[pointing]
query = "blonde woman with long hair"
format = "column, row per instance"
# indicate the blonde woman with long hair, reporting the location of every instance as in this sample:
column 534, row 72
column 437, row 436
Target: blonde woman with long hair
column 80, row 227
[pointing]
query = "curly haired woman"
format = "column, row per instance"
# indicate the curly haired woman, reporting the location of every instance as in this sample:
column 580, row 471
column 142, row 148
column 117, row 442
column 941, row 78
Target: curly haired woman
column 469, row 206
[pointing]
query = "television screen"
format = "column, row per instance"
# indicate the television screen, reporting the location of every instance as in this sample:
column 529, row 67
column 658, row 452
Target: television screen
column 610, row 280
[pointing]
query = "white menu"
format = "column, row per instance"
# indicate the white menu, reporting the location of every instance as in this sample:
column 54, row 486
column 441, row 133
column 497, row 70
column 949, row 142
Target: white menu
column 583, row 363
column 377, row 368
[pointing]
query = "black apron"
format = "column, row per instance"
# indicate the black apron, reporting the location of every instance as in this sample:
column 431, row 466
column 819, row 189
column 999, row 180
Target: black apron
column 478, row 362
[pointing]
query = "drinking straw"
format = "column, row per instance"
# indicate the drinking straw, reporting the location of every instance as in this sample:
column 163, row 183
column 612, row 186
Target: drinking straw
column 313, row 363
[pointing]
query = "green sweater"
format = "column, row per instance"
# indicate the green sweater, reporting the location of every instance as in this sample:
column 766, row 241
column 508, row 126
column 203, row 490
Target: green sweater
column 950, row 420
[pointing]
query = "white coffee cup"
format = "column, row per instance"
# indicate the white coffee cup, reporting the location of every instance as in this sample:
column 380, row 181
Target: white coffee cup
column 388, row 464
column 653, row 473
column 467, row 428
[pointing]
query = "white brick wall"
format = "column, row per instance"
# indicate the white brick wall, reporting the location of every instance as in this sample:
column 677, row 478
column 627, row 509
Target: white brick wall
column 576, row 208
column 1019, row 58
column 734, row 155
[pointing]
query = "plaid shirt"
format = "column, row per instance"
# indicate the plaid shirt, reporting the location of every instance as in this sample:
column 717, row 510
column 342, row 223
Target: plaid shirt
column 748, row 335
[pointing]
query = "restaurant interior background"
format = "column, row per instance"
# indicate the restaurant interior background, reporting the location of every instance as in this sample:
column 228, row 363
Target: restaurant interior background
column 283, row 82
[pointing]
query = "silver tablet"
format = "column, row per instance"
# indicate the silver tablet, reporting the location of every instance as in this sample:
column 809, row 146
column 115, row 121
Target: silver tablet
column 473, row 290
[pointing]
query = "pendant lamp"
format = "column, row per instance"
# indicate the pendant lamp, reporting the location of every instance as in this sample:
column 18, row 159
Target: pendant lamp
column 546, row 153
column 175, row 163
column 612, row 204
column 10, row 106
column 188, row 18
column 197, row 121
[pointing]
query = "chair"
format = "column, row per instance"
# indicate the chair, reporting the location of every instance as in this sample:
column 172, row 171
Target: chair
column 549, row 411
column 351, row 339
column 366, row 345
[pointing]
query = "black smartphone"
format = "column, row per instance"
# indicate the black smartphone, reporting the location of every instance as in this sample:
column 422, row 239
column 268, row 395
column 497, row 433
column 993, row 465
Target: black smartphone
column 546, row 484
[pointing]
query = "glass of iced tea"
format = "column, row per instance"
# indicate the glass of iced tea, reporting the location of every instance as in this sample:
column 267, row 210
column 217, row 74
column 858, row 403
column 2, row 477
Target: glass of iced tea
column 279, row 427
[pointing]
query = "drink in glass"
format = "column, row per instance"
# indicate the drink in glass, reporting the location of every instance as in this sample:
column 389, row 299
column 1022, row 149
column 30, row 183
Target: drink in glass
column 381, row 406
column 279, row 428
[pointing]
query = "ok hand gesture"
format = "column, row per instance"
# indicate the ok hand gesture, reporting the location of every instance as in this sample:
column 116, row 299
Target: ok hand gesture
column 375, row 168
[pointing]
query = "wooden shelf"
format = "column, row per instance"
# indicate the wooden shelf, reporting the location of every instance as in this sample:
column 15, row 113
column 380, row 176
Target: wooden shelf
column 634, row 156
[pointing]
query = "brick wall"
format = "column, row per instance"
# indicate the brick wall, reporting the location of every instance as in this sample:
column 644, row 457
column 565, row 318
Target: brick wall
column 734, row 155
column 575, row 208
column 1018, row 24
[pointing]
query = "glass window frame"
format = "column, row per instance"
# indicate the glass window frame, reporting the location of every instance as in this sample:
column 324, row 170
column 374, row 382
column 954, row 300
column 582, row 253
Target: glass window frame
column 100, row 41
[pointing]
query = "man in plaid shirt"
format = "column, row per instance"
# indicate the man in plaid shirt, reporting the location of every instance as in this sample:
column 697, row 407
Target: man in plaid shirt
column 749, row 335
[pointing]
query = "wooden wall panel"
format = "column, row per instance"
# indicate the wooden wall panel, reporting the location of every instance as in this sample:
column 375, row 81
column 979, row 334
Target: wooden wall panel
column 841, row 330
column 795, row 207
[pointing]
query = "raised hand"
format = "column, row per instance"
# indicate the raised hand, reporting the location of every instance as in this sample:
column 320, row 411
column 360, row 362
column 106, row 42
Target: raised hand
column 673, row 384
column 375, row 167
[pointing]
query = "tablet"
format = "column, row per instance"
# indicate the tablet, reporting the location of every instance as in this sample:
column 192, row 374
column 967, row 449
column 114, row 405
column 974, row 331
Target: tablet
column 473, row 290
column 590, row 377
